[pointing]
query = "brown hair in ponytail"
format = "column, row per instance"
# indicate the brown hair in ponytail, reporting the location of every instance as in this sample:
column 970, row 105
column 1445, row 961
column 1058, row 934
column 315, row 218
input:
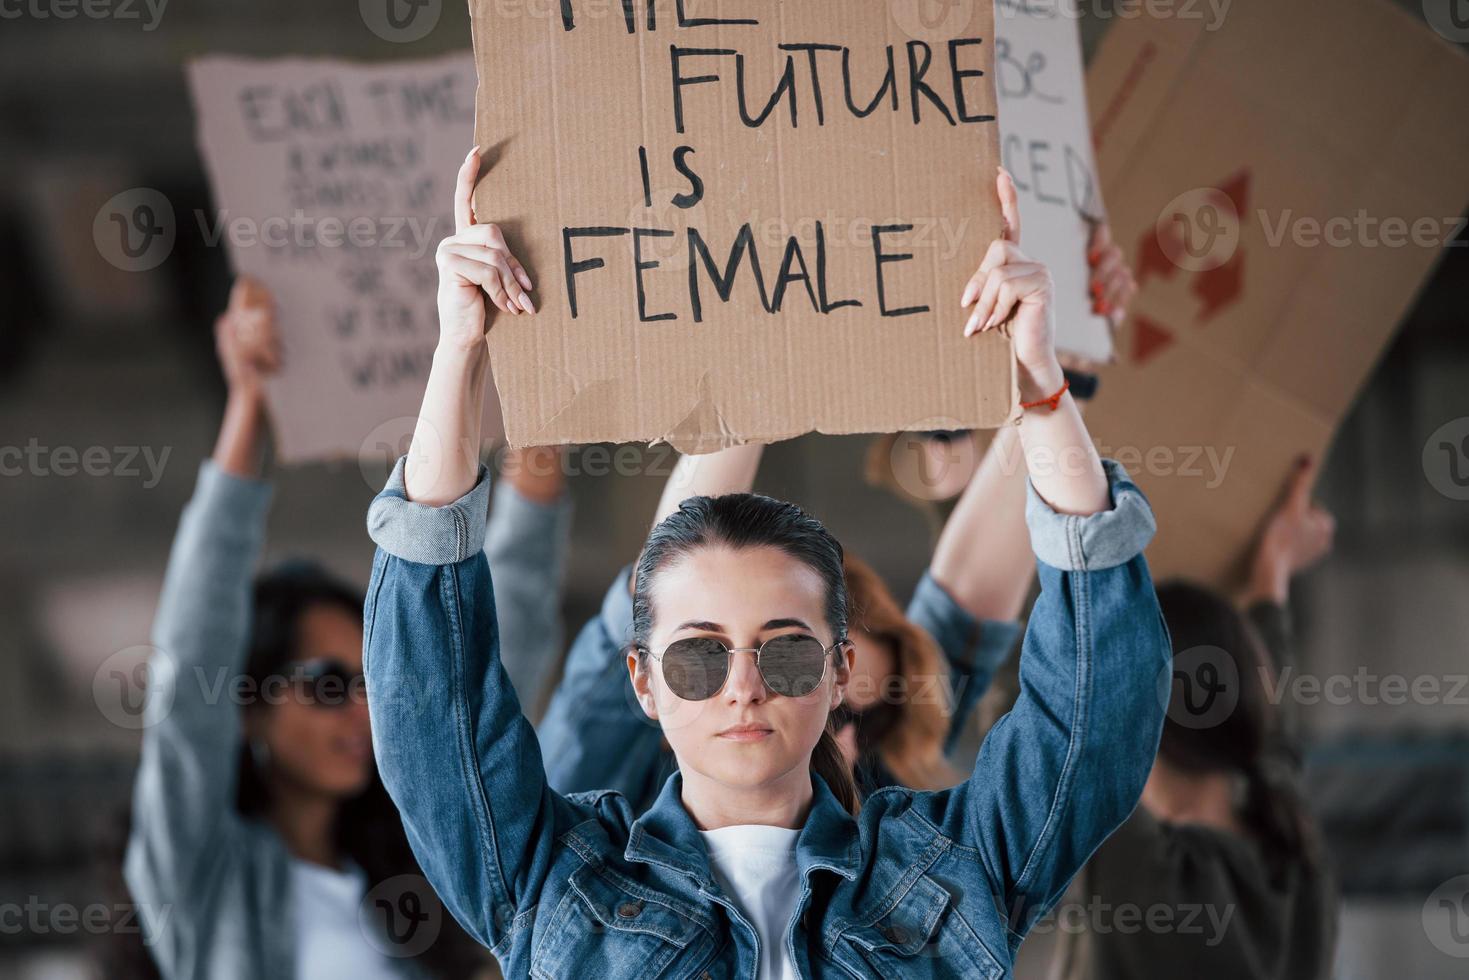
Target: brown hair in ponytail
column 748, row 520
column 828, row 762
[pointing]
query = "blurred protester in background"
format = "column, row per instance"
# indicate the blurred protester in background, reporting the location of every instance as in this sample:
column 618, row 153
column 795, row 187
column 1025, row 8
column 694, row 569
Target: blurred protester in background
column 1223, row 836
column 260, row 830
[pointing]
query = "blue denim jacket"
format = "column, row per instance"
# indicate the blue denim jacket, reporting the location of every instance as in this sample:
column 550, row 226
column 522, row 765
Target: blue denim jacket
column 920, row 884
column 595, row 736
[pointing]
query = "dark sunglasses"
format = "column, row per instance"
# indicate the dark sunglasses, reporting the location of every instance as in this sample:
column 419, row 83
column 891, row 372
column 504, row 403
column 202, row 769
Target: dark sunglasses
column 696, row 668
column 324, row 682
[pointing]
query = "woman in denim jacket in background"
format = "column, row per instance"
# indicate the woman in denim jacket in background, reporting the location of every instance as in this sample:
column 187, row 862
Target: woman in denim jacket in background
column 259, row 828
column 913, row 883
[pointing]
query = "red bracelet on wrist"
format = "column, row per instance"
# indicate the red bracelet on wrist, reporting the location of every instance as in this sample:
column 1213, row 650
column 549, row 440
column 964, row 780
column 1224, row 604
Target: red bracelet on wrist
column 1051, row 402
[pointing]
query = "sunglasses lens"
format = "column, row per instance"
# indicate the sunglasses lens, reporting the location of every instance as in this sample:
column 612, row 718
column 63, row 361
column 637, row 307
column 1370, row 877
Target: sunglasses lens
column 793, row 665
column 695, row 668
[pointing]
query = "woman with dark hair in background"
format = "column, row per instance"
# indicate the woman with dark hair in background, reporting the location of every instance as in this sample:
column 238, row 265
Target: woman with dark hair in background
column 758, row 859
column 1221, row 846
column 259, row 826
column 1222, row 834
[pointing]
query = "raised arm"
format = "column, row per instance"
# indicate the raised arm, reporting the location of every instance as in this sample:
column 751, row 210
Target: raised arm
column 1296, row 536
column 526, row 544
column 454, row 750
column 727, row 471
column 183, row 796
column 1066, row 766
column 983, row 563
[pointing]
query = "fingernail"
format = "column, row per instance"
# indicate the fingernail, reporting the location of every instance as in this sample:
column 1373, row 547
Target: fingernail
column 475, row 150
column 1106, row 308
column 968, row 296
column 524, row 280
column 1096, row 289
column 1092, row 256
column 525, row 302
column 973, row 322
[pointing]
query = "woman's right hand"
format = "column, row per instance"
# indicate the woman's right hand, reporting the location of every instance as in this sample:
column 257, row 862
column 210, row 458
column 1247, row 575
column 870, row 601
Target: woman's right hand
column 473, row 263
column 245, row 338
column 249, row 351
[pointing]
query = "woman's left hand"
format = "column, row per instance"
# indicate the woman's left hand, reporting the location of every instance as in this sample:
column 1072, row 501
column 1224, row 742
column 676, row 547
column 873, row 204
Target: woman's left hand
column 1009, row 283
column 1112, row 283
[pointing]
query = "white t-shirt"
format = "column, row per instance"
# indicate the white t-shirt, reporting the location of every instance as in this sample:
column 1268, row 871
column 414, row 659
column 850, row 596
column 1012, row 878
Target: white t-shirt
column 756, row 866
column 330, row 938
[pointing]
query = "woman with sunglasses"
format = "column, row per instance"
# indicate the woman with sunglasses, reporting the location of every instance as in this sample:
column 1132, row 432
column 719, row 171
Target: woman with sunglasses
column 910, row 691
column 259, row 827
column 756, row 859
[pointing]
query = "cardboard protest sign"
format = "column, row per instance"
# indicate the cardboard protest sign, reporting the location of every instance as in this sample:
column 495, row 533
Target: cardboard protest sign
column 1281, row 203
column 333, row 185
column 744, row 220
column 1046, row 144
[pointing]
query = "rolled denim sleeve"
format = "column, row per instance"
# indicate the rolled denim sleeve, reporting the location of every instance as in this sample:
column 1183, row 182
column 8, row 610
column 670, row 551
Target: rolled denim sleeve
column 183, row 796
column 974, row 648
column 1097, row 541
column 428, row 535
column 594, row 734
column 1067, row 764
column 454, row 750
column 526, row 545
